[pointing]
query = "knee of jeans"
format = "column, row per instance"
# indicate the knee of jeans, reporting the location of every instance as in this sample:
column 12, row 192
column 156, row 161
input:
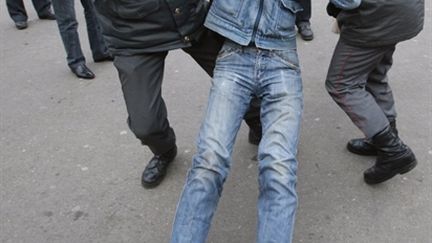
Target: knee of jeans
column 278, row 167
column 206, row 181
column 210, row 164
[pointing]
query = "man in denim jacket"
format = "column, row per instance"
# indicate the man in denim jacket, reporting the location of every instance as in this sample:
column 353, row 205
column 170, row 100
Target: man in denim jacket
column 258, row 58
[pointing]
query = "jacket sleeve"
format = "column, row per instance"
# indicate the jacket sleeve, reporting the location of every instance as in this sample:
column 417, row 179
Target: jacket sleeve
column 346, row 4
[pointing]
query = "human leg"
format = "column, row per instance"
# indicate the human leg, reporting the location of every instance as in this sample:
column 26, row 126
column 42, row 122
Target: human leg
column 377, row 84
column 281, row 110
column 18, row 13
column 228, row 102
column 97, row 43
column 306, row 13
column 303, row 20
column 394, row 157
column 68, row 27
column 141, row 79
column 205, row 53
column 43, row 9
column 346, row 83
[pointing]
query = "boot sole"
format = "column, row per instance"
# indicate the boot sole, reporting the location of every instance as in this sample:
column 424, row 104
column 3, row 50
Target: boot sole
column 400, row 171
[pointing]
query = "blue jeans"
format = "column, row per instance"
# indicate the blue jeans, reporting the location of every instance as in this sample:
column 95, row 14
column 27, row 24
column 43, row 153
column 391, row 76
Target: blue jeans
column 68, row 25
column 240, row 72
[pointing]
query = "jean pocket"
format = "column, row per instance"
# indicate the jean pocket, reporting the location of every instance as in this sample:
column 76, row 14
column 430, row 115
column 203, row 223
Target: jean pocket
column 227, row 50
column 288, row 57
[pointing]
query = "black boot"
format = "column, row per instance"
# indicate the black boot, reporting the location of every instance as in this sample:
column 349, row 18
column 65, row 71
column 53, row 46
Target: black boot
column 394, row 157
column 156, row 169
column 364, row 146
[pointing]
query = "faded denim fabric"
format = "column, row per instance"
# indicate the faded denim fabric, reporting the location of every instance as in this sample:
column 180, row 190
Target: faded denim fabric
column 240, row 72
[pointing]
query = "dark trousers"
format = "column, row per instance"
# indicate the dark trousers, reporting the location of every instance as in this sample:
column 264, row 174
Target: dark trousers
column 305, row 15
column 68, row 25
column 18, row 12
column 357, row 81
column 141, row 79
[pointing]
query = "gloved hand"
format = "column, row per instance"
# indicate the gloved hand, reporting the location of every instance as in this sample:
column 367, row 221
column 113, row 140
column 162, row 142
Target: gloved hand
column 332, row 10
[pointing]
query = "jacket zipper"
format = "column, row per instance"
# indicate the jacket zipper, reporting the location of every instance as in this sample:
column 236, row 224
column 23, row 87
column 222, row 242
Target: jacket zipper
column 257, row 20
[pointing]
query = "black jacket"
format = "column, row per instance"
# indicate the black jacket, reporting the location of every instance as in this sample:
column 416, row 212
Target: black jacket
column 380, row 22
column 142, row 26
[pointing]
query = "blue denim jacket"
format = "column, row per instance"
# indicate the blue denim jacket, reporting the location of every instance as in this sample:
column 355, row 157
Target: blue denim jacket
column 269, row 24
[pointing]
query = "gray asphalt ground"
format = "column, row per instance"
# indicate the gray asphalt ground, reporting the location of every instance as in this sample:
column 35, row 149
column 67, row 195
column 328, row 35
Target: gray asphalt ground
column 70, row 168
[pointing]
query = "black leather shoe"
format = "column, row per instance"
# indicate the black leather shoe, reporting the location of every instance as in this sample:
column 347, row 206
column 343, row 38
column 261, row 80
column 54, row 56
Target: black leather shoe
column 21, row 25
column 363, row 146
column 394, row 157
column 305, row 31
column 47, row 15
column 106, row 57
column 156, row 169
column 82, row 71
